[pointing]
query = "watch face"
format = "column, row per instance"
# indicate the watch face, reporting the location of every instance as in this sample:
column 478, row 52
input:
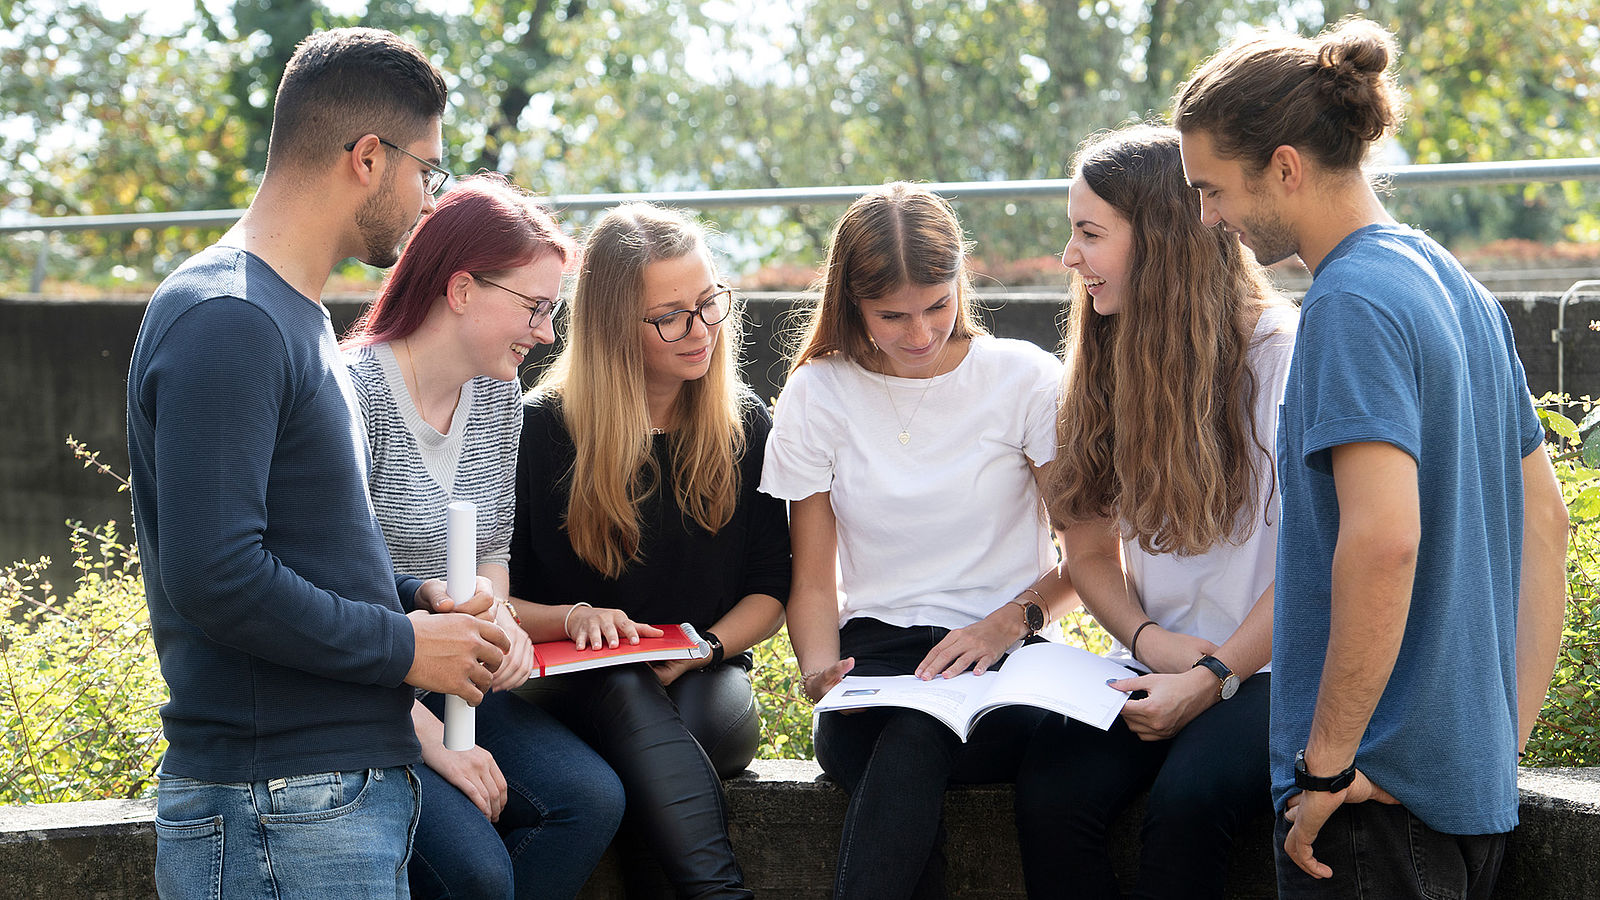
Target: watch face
column 1035, row 616
column 1230, row 686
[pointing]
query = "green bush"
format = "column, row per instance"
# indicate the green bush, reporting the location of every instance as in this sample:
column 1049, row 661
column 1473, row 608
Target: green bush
column 1568, row 731
column 79, row 685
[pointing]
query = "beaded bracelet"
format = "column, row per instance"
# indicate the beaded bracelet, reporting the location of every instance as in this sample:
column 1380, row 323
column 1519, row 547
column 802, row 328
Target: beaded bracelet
column 568, row 620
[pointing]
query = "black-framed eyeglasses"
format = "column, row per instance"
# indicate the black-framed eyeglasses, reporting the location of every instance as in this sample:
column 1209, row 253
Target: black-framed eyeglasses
column 437, row 174
column 538, row 310
column 675, row 325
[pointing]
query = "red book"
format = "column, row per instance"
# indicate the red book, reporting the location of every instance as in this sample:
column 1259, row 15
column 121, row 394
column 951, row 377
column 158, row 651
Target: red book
column 676, row 642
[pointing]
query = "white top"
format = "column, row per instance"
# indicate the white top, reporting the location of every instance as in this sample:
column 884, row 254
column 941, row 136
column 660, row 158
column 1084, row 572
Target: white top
column 417, row 471
column 947, row 527
column 1209, row 595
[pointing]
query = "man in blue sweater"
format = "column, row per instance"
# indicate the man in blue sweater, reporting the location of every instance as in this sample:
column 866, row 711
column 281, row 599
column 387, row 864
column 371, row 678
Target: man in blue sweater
column 281, row 628
column 1420, row 586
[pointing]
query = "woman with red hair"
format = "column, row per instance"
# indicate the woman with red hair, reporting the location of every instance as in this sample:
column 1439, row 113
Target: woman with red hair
column 530, row 808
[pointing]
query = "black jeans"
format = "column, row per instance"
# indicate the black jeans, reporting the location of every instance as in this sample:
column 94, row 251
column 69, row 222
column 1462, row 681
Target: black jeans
column 1380, row 851
column 676, row 823
column 895, row 764
column 1204, row 782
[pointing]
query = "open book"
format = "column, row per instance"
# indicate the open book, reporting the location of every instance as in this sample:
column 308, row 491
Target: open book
column 676, row 642
column 1048, row 675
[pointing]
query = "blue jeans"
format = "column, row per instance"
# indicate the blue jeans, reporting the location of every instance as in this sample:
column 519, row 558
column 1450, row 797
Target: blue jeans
column 1380, row 851
column 895, row 764
column 334, row 835
column 563, row 805
column 1204, row 783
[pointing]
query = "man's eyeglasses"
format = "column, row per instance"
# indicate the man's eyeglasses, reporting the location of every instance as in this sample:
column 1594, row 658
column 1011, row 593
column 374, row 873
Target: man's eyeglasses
column 675, row 325
column 538, row 310
column 437, row 174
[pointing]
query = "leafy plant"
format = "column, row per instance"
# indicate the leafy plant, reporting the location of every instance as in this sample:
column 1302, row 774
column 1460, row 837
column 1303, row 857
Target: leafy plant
column 1568, row 732
column 79, row 685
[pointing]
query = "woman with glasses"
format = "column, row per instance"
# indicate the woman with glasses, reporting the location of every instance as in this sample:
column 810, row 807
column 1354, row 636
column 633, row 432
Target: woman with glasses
column 530, row 809
column 908, row 442
column 637, row 503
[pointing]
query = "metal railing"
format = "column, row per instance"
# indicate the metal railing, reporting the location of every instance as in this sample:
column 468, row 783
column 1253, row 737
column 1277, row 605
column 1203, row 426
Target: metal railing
column 1433, row 175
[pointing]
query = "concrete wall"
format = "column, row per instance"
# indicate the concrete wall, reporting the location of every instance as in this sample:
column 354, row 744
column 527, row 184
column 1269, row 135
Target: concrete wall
column 785, row 826
column 64, row 364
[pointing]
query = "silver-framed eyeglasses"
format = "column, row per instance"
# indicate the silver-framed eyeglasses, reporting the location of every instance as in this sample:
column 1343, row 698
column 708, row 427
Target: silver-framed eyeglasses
column 675, row 325
column 538, row 309
column 437, row 174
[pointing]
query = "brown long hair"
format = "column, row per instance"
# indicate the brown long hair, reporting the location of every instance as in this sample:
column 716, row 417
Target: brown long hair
column 1155, row 426
column 1331, row 97
column 892, row 237
column 600, row 380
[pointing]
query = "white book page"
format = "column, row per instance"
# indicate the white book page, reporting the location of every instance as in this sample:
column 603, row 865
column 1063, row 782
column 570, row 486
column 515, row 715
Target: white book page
column 1063, row 679
column 950, row 700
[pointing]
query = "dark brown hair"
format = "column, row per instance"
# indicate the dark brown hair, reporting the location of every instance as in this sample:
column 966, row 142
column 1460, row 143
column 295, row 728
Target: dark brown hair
column 1156, row 425
column 345, row 83
column 1330, row 97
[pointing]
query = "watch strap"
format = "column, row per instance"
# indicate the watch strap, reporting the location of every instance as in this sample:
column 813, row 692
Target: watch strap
column 717, row 650
column 1332, row 784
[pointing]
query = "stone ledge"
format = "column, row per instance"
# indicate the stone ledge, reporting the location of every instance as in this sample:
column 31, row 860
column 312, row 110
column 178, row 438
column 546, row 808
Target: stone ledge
column 785, row 826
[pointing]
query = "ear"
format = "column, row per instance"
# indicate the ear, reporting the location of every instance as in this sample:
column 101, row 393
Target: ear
column 455, row 291
column 1286, row 167
column 366, row 158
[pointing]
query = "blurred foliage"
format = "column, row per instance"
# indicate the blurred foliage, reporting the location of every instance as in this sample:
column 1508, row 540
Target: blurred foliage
column 101, row 115
column 1568, row 731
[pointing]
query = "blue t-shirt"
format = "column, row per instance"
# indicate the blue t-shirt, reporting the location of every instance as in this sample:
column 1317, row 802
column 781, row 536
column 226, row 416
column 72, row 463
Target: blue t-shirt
column 1399, row 344
column 276, row 614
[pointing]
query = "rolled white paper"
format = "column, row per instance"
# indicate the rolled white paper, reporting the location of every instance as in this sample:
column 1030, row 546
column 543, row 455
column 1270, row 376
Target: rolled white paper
column 460, row 576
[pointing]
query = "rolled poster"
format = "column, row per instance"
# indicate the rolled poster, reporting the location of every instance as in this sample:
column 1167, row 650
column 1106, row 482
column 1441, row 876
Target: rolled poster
column 461, row 576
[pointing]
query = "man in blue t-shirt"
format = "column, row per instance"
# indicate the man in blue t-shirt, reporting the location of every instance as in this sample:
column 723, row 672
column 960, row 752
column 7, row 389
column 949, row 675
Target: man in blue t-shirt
column 1420, row 587
column 280, row 626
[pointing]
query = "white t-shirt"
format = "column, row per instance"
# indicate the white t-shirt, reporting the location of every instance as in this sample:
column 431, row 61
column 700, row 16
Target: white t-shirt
column 1209, row 595
column 945, row 528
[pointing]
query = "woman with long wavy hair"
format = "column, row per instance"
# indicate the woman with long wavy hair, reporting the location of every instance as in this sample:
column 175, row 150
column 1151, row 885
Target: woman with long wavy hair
column 1163, row 483
column 529, row 809
column 909, row 442
column 636, row 503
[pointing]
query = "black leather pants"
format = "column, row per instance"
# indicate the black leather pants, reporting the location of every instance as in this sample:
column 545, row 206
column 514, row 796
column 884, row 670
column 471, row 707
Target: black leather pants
column 676, row 824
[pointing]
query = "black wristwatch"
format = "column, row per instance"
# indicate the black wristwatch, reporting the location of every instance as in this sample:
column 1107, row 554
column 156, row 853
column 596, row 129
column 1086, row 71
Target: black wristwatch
column 717, row 652
column 1230, row 681
column 1333, row 784
column 1032, row 615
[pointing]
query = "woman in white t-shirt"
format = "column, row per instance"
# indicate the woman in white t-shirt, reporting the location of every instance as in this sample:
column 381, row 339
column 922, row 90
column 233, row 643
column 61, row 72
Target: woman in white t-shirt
column 1164, row 479
column 909, row 443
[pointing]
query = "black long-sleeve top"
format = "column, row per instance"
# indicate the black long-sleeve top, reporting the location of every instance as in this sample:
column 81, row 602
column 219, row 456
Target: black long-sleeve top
column 683, row 573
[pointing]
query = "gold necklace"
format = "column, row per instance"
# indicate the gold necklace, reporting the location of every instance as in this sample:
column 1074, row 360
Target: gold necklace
column 905, row 426
column 416, row 396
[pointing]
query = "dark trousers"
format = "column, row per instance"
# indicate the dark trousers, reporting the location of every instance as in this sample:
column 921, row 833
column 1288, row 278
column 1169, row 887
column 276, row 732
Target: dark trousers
column 675, row 825
column 1380, row 851
column 895, row 764
column 1204, row 782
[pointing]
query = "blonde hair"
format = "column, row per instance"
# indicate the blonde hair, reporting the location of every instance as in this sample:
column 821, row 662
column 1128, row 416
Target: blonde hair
column 599, row 378
column 1156, row 426
column 896, row 236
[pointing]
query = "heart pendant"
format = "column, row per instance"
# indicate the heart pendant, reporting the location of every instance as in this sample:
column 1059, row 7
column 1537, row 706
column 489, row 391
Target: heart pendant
column 905, row 437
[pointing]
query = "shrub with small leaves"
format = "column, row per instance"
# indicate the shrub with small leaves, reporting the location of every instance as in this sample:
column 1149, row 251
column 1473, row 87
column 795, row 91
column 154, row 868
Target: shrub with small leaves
column 80, row 689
